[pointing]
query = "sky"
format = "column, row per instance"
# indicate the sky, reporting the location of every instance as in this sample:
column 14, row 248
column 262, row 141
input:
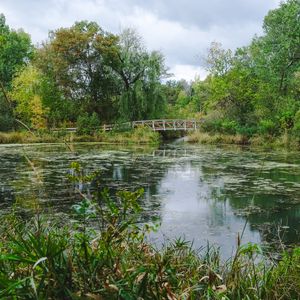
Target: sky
column 181, row 29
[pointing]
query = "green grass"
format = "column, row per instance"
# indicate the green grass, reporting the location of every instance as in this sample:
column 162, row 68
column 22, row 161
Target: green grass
column 44, row 259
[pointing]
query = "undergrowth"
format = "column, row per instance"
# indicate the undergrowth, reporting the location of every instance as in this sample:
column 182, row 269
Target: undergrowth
column 267, row 141
column 138, row 135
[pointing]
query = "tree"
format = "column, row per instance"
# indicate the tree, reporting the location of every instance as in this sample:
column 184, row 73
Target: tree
column 27, row 94
column 277, row 53
column 77, row 60
column 218, row 61
column 15, row 52
column 140, row 74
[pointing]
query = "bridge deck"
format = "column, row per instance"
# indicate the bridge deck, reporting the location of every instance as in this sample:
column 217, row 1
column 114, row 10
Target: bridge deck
column 160, row 125
column 155, row 125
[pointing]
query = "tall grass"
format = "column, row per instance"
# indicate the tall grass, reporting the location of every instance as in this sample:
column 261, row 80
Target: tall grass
column 266, row 141
column 217, row 138
column 42, row 259
column 139, row 135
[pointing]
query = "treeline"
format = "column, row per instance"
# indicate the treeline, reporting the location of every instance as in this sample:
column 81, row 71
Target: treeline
column 80, row 74
column 84, row 75
column 254, row 90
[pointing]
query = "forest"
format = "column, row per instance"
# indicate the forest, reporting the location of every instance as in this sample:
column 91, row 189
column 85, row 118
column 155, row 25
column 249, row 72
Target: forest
column 85, row 76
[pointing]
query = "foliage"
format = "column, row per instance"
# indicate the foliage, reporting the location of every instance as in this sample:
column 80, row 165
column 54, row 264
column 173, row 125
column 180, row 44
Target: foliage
column 76, row 59
column 87, row 124
column 140, row 73
column 6, row 117
column 15, row 51
column 113, row 76
column 27, row 93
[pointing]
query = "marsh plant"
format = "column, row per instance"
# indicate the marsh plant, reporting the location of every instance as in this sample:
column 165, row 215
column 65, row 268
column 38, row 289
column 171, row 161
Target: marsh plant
column 105, row 254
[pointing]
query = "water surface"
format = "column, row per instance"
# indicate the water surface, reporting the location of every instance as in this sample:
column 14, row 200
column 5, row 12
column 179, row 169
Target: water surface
column 202, row 193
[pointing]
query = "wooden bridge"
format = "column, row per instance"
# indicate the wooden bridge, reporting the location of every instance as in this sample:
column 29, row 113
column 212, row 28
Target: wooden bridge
column 159, row 125
column 155, row 125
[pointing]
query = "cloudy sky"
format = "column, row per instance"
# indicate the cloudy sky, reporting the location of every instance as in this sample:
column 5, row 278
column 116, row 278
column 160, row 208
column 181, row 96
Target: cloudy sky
column 181, row 29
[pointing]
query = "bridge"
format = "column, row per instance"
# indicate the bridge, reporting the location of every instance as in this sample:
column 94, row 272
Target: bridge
column 159, row 125
column 155, row 125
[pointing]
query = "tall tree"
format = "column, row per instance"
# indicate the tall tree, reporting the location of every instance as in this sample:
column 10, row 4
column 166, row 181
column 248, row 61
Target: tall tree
column 77, row 59
column 277, row 53
column 15, row 52
column 140, row 74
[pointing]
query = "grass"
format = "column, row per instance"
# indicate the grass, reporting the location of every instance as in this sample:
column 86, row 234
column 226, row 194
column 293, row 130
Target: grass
column 266, row 141
column 44, row 259
column 137, row 136
column 206, row 138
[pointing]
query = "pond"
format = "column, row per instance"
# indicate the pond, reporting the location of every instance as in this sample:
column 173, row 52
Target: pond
column 206, row 194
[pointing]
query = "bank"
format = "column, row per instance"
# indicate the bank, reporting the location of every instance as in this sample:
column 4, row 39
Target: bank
column 135, row 136
column 288, row 141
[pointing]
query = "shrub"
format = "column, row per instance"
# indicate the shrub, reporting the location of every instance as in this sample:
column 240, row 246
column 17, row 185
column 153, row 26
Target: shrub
column 88, row 124
column 267, row 127
column 246, row 130
column 296, row 128
column 229, row 126
column 6, row 122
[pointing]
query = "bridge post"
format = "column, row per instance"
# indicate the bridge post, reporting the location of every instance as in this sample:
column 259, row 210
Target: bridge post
column 195, row 124
column 164, row 125
column 185, row 125
column 174, row 125
column 153, row 125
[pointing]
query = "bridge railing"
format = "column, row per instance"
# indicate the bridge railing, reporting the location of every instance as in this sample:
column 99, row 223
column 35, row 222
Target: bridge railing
column 168, row 124
column 156, row 125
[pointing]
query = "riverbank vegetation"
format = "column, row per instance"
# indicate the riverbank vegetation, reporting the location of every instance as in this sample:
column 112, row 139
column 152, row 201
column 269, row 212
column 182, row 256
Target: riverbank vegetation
column 136, row 136
column 83, row 76
column 286, row 140
column 105, row 253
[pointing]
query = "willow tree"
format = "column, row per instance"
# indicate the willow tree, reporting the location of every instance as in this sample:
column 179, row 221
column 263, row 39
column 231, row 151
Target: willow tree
column 140, row 73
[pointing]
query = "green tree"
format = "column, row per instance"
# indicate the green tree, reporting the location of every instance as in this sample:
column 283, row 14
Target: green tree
column 218, row 61
column 27, row 93
column 77, row 60
column 15, row 52
column 140, row 74
column 277, row 53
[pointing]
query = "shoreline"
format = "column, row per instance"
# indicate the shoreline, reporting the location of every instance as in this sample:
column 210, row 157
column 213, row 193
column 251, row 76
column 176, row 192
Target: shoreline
column 274, row 142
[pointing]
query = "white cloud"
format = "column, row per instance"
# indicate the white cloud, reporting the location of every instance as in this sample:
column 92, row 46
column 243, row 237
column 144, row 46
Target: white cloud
column 187, row 72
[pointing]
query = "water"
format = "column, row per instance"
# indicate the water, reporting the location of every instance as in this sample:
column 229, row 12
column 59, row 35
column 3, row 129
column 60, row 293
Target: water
column 202, row 193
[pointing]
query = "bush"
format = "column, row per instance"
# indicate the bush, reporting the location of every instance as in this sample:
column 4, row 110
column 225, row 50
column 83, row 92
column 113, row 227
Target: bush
column 6, row 122
column 296, row 128
column 229, row 126
column 246, row 130
column 87, row 124
column 267, row 127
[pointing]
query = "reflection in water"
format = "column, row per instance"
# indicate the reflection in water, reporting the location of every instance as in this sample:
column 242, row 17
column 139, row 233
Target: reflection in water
column 189, row 210
column 204, row 193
